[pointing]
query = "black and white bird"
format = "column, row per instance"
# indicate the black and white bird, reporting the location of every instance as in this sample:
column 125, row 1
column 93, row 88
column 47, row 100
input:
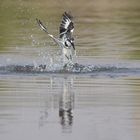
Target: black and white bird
column 65, row 40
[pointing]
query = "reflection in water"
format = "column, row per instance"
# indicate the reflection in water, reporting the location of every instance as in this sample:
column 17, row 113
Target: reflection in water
column 36, row 107
column 44, row 116
column 66, row 105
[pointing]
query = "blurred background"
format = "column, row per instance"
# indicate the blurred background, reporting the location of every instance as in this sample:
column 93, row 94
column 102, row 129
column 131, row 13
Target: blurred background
column 104, row 29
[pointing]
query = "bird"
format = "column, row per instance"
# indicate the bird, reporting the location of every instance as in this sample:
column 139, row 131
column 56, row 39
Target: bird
column 66, row 39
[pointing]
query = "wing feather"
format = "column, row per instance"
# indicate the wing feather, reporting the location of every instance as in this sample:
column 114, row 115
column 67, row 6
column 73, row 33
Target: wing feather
column 66, row 26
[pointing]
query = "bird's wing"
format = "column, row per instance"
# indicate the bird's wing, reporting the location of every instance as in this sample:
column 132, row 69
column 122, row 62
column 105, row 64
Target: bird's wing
column 41, row 25
column 66, row 26
column 44, row 28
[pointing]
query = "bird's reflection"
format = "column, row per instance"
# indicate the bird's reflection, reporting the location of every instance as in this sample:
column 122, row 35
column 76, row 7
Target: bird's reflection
column 66, row 104
column 44, row 116
column 65, row 101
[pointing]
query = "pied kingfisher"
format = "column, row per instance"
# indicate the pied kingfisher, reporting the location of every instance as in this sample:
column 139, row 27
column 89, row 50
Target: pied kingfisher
column 65, row 40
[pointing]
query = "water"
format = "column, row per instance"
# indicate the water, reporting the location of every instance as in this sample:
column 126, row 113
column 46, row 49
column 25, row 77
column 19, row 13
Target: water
column 98, row 97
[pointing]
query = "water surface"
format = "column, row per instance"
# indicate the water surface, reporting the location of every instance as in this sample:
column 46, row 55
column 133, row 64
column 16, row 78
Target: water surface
column 97, row 98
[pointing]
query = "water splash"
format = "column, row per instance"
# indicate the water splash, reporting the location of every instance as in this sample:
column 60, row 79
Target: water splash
column 71, row 69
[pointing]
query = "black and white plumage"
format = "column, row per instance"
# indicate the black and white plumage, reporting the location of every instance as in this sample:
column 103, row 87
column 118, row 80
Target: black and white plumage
column 65, row 40
column 66, row 30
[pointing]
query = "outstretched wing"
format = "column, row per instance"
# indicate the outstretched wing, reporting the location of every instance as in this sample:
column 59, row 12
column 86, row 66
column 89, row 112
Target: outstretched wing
column 66, row 26
column 41, row 25
column 44, row 28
